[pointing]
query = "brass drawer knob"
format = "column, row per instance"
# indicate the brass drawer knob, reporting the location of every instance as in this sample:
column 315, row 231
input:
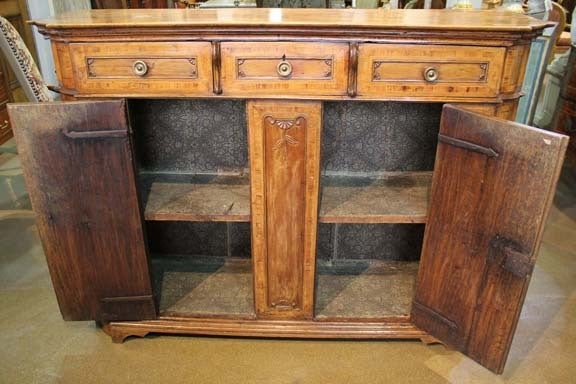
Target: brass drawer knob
column 430, row 74
column 284, row 68
column 4, row 125
column 140, row 68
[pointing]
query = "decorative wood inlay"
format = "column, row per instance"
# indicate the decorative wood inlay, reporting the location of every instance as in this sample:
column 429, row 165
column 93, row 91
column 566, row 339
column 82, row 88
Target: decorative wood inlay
column 166, row 67
column 264, row 68
column 410, row 71
column 258, row 68
column 182, row 68
column 402, row 70
column 511, row 79
column 284, row 177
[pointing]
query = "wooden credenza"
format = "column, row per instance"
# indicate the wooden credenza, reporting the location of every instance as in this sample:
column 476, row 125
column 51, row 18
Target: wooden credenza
column 285, row 173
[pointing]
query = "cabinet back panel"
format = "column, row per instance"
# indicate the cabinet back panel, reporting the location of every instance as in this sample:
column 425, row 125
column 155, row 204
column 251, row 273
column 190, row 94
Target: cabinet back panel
column 398, row 242
column 372, row 137
column 190, row 136
column 207, row 239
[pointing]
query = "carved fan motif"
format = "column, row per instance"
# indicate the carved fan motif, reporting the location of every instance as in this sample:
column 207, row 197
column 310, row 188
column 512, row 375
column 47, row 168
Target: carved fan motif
column 286, row 140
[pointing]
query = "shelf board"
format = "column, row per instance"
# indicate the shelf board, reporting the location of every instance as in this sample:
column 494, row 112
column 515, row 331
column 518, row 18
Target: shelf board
column 365, row 289
column 196, row 197
column 195, row 286
column 399, row 197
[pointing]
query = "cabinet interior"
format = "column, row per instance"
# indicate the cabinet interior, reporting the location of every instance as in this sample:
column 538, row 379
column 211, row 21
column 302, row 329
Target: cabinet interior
column 376, row 167
column 192, row 160
column 377, row 161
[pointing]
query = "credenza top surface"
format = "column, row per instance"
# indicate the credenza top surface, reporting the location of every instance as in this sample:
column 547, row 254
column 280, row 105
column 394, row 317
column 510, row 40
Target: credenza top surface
column 373, row 19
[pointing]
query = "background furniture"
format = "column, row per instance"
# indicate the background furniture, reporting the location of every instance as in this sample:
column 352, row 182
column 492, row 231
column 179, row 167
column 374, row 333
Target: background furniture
column 20, row 60
column 291, row 241
column 16, row 12
column 565, row 115
column 541, row 54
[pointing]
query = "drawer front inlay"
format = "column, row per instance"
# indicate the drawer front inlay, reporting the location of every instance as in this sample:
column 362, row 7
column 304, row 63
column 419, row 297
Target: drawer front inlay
column 292, row 68
column 266, row 68
column 391, row 70
column 148, row 68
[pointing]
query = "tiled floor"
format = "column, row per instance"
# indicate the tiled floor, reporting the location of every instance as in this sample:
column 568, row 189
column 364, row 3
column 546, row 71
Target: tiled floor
column 37, row 346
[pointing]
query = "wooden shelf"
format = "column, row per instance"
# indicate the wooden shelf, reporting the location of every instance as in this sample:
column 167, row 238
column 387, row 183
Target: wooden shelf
column 359, row 289
column 196, row 197
column 196, row 286
column 399, row 197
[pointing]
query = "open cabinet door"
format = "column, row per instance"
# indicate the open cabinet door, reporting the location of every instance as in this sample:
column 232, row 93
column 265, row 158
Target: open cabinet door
column 78, row 166
column 493, row 184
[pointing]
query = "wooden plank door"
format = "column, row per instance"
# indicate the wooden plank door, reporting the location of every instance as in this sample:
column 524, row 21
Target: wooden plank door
column 493, row 184
column 78, row 166
column 284, row 176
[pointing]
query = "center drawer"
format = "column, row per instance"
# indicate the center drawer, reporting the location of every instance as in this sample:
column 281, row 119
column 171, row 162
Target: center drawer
column 143, row 68
column 284, row 68
column 442, row 71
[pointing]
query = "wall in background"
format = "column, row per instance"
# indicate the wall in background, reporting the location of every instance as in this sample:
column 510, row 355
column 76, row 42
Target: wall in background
column 39, row 9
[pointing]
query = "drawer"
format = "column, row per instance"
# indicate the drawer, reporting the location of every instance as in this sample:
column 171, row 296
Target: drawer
column 412, row 71
column 144, row 68
column 284, row 68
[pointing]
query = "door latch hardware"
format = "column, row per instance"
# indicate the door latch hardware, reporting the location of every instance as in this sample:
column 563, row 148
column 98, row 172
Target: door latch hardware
column 510, row 256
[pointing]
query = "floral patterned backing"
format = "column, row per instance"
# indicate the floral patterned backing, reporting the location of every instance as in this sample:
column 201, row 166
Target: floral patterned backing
column 22, row 63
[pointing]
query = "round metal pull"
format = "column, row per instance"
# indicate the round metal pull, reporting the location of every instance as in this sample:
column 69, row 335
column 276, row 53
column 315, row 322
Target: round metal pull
column 140, row 68
column 284, row 68
column 430, row 74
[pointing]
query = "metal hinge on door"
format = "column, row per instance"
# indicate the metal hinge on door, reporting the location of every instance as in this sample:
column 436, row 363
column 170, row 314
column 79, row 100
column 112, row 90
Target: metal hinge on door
column 467, row 145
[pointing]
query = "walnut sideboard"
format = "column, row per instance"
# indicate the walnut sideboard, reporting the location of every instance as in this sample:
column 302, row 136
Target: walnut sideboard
column 288, row 173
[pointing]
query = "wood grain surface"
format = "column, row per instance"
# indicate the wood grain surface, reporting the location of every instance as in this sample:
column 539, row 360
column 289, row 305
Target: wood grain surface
column 400, row 197
column 491, row 191
column 284, row 140
column 196, row 197
column 429, row 19
column 77, row 161
column 252, row 68
column 476, row 245
column 175, row 68
column 398, row 69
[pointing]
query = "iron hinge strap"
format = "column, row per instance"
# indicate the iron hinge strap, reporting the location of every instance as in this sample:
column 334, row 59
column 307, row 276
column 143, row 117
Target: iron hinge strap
column 467, row 145
column 94, row 134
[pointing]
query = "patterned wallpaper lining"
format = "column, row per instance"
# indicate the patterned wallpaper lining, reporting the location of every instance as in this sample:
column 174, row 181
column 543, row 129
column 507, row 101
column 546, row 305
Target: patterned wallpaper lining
column 210, row 136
